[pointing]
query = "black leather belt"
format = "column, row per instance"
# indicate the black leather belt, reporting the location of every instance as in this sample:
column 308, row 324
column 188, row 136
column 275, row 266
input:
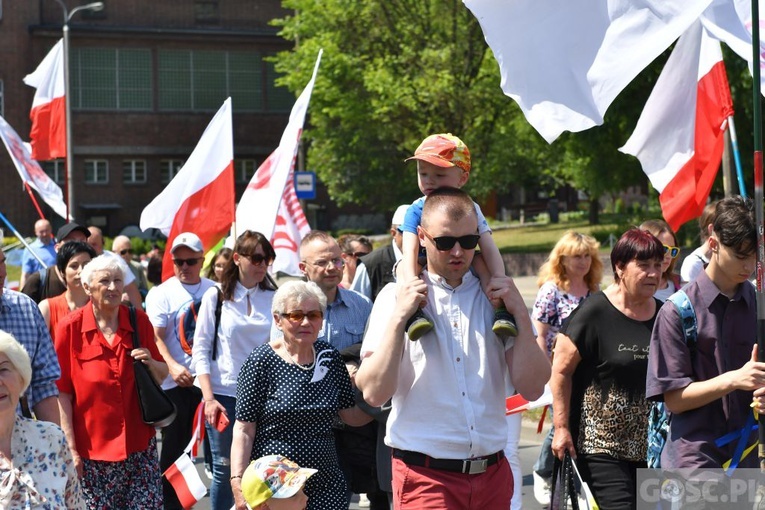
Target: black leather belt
column 469, row 466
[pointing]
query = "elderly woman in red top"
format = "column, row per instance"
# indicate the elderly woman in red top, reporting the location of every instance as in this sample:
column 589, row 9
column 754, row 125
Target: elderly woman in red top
column 114, row 451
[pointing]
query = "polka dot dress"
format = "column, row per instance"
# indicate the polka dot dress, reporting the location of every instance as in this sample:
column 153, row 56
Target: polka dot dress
column 294, row 416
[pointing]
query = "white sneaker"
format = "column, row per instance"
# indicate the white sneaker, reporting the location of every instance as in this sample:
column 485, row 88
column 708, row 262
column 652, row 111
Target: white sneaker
column 541, row 489
column 363, row 501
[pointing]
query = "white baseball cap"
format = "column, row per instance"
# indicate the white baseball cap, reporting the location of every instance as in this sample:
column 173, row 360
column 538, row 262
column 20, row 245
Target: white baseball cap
column 189, row 240
column 398, row 216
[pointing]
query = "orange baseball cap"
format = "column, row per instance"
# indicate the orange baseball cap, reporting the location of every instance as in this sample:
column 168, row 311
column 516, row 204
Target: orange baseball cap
column 443, row 150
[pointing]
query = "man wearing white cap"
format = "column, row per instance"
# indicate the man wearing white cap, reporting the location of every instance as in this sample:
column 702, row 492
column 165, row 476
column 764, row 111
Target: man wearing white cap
column 375, row 270
column 171, row 307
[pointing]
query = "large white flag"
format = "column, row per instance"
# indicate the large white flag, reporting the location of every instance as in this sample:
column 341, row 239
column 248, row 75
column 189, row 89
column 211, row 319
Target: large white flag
column 565, row 61
column 679, row 136
column 30, row 171
column 262, row 207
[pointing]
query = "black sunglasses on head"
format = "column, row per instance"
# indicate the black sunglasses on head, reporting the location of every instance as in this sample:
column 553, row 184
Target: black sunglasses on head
column 446, row 243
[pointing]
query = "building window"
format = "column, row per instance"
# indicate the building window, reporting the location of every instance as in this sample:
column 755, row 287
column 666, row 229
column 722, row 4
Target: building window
column 55, row 170
column 134, row 171
column 279, row 99
column 96, row 171
column 245, row 169
column 168, row 168
column 111, row 79
column 206, row 11
column 202, row 80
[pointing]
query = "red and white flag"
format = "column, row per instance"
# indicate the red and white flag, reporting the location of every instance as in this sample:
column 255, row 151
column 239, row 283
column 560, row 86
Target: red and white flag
column 183, row 475
column 269, row 205
column 30, row 171
column 679, row 137
column 48, row 113
column 200, row 198
column 565, row 61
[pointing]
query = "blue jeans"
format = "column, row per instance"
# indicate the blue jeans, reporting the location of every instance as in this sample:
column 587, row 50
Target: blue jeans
column 221, row 497
column 544, row 464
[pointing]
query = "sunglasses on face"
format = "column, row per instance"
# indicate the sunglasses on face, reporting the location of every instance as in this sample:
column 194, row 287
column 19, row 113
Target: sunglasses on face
column 188, row 262
column 297, row 316
column 673, row 251
column 123, row 252
column 446, row 243
column 258, row 259
column 360, row 253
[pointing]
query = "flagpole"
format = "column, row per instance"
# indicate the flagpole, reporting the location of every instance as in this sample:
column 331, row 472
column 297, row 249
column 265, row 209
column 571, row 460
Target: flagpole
column 23, row 241
column 34, row 200
column 736, row 157
column 758, row 206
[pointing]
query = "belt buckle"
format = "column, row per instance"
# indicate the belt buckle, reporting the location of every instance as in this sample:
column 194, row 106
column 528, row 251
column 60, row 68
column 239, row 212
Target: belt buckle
column 475, row 467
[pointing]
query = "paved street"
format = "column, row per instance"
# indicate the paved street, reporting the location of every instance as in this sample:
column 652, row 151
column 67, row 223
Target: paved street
column 530, row 440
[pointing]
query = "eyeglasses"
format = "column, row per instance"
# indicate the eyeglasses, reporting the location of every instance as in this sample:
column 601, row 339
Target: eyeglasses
column 123, row 252
column 674, row 251
column 446, row 243
column 297, row 316
column 188, row 262
column 258, row 259
column 323, row 264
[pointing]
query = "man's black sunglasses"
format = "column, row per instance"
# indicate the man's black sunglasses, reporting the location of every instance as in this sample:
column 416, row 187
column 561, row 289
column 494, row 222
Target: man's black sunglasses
column 446, row 243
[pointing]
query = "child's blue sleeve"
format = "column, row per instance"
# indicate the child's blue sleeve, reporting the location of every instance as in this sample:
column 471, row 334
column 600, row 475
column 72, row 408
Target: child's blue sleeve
column 412, row 217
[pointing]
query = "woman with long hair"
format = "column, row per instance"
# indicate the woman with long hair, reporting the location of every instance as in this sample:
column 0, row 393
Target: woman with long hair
column 571, row 272
column 233, row 319
column 214, row 270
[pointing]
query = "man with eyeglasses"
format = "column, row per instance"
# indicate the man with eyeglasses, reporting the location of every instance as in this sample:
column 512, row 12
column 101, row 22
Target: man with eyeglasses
column 170, row 307
column 347, row 311
column 121, row 246
column 447, row 425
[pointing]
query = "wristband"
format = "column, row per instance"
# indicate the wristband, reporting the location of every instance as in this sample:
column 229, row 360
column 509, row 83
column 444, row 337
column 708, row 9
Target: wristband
column 234, row 477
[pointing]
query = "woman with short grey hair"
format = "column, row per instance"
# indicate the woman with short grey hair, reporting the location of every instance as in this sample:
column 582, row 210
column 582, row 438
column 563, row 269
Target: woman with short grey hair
column 30, row 451
column 289, row 392
column 100, row 413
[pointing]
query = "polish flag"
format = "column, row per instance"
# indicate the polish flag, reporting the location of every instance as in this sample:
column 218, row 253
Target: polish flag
column 269, row 204
column 200, row 198
column 679, row 137
column 48, row 113
column 30, row 170
column 182, row 475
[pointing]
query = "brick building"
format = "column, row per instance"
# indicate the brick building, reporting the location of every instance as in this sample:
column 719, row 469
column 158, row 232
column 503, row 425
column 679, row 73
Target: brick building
column 146, row 78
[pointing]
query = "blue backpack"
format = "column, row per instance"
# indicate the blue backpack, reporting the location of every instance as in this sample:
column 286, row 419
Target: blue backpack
column 658, row 416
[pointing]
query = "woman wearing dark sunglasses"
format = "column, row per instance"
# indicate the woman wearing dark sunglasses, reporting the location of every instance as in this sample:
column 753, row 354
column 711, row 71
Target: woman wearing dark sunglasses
column 233, row 319
column 670, row 282
column 289, row 394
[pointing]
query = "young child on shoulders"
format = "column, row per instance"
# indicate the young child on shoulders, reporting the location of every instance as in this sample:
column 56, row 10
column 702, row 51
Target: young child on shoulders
column 443, row 160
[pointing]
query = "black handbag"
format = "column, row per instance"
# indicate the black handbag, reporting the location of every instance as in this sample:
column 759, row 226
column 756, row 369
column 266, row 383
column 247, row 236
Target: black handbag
column 563, row 491
column 157, row 409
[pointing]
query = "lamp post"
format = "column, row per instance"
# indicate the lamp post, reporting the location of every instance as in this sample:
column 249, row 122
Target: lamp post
column 94, row 6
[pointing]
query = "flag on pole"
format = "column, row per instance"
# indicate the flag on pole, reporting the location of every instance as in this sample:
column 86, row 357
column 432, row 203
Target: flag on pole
column 183, row 475
column 679, row 137
column 30, row 171
column 262, row 207
column 48, row 113
column 730, row 21
column 200, row 198
column 565, row 61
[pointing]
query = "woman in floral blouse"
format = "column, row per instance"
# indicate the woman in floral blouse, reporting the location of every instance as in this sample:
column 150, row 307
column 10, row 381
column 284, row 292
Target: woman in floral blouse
column 36, row 466
column 571, row 272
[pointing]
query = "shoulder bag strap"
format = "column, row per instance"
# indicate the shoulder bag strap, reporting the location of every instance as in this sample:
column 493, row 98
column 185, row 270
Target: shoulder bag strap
column 131, row 313
column 218, row 307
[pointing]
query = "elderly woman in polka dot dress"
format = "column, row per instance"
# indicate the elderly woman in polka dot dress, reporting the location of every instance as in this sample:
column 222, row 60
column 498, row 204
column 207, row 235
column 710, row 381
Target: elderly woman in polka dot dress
column 288, row 394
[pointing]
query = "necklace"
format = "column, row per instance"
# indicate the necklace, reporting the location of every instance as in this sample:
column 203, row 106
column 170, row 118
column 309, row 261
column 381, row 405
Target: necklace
column 301, row 367
column 187, row 287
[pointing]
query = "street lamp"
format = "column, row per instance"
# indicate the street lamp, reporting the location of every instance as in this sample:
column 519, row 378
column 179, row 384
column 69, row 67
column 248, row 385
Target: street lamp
column 94, row 6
